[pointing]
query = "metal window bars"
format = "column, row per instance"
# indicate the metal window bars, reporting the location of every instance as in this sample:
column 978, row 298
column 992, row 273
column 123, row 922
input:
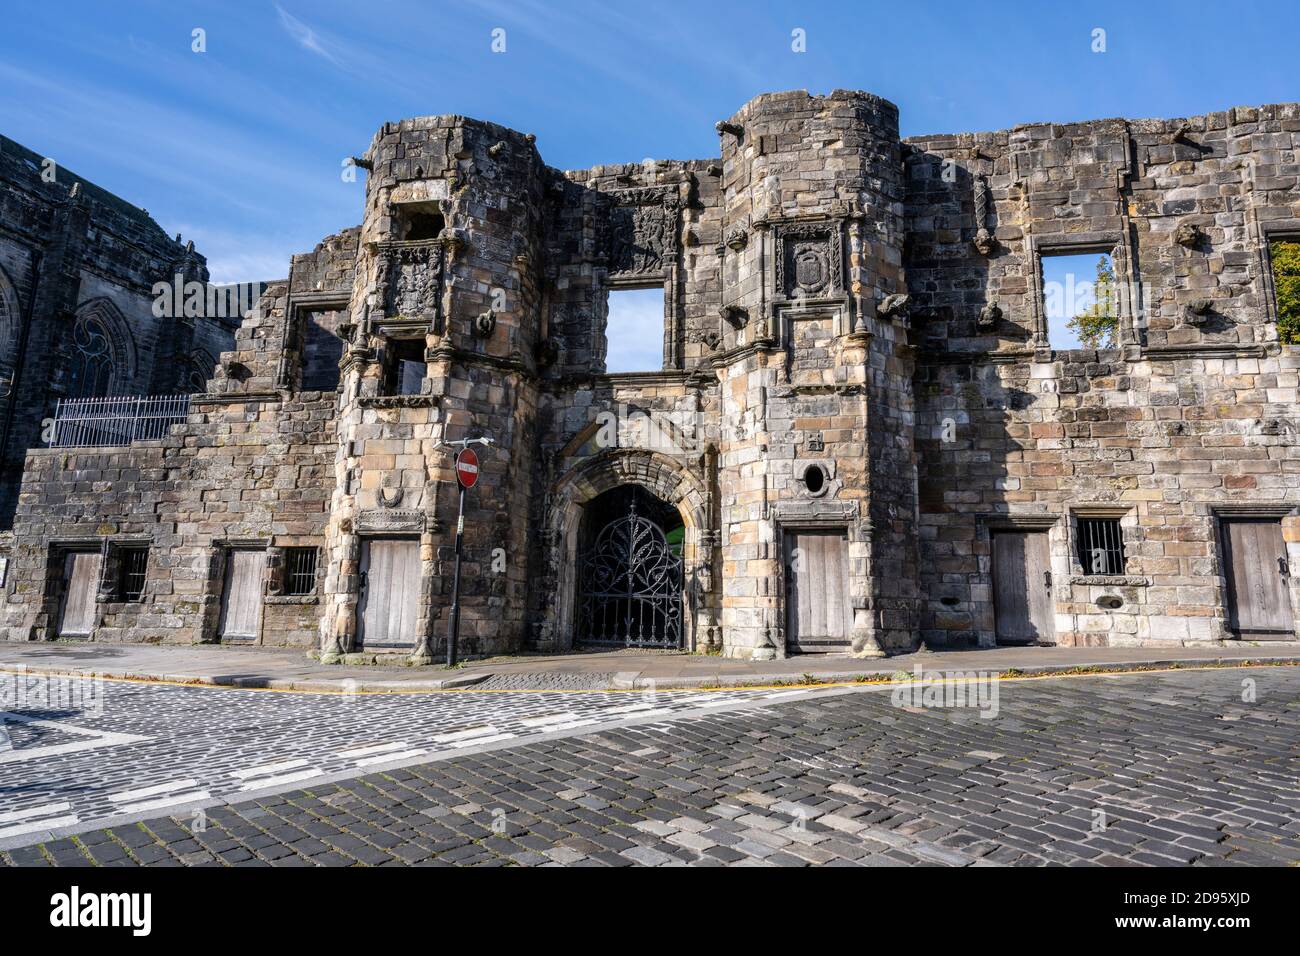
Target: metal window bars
column 132, row 570
column 1101, row 546
column 91, row 422
column 300, row 571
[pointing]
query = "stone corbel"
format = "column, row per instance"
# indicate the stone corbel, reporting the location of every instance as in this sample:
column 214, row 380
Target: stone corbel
column 727, row 127
column 989, row 317
column 736, row 316
column 1188, row 235
column 895, row 307
column 737, row 238
column 1198, row 312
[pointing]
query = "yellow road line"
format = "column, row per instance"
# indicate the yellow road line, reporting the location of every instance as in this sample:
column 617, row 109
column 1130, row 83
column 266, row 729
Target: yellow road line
column 882, row 680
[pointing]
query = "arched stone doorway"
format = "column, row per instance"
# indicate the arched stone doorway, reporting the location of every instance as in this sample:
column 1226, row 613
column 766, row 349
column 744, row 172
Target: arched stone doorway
column 629, row 580
column 573, row 521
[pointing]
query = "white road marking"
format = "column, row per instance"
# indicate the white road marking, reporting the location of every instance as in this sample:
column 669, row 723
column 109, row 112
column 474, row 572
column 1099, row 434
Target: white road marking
column 389, row 757
column 482, row 740
column 784, row 693
column 39, row 826
column 371, row 749
column 131, row 796
column 571, row 724
column 174, row 800
column 260, row 783
column 548, row 719
column 268, row 768
column 655, row 711
column 13, row 816
column 465, row 734
column 628, row 708
column 100, row 738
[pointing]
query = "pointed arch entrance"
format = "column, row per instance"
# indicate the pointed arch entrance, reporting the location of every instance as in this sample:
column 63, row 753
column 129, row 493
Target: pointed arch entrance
column 630, row 571
column 669, row 495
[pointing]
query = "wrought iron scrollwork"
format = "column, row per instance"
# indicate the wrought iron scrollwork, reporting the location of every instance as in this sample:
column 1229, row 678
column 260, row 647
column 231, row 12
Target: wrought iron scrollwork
column 630, row 586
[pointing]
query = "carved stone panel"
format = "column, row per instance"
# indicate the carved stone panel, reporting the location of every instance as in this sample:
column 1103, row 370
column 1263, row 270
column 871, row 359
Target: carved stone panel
column 412, row 275
column 403, row 520
column 643, row 227
column 809, row 260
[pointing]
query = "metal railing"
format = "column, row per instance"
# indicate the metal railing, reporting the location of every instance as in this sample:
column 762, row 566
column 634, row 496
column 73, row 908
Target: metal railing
column 88, row 422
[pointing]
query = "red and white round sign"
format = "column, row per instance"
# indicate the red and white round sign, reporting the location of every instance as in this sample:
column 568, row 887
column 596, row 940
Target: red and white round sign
column 467, row 468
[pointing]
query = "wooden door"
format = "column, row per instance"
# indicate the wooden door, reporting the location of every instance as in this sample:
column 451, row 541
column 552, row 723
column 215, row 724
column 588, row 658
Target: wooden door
column 81, row 570
column 1023, row 608
column 1259, row 602
column 390, row 592
column 241, row 598
column 819, row 614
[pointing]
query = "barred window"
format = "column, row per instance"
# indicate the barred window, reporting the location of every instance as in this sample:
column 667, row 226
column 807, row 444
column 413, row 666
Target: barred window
column 299, row 571
column 131, row 573
column 1101, row 546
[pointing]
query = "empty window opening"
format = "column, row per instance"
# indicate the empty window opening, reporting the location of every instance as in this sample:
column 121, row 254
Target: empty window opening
column 1101, row 546
column 424, row 225
column 131, row 568
column 634, row 330
column 1285, row 258
column 299, row 571
column 406, row 368
column 1081, row 301
column 321, row 351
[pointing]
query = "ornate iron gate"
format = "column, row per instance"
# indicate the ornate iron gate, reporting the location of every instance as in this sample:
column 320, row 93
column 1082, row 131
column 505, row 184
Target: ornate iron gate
column 630, row 586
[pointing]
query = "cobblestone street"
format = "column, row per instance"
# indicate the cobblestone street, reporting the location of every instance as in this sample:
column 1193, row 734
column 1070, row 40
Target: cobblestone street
column 1159, row 769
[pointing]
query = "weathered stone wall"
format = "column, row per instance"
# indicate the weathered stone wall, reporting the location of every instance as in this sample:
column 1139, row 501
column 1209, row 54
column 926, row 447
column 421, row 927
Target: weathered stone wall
column 251, row 473
column 72, row 253
column 1192, row 415
column 854, row 342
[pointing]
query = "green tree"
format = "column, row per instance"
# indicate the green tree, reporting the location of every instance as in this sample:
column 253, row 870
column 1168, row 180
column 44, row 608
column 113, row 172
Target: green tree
column 1097, row 325
column 1286, row 285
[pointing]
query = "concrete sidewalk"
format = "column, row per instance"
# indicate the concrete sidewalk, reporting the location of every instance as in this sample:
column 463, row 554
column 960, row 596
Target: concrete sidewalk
column 288, row 669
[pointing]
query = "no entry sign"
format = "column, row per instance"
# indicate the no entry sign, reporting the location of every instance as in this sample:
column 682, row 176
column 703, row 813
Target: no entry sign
column 467, row 468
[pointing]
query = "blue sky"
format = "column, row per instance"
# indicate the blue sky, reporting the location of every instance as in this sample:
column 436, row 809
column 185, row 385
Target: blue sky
column 240, row 147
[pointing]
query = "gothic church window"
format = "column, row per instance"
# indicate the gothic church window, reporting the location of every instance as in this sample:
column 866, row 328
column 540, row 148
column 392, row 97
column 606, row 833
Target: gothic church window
column 8, row 336
column 93, row 372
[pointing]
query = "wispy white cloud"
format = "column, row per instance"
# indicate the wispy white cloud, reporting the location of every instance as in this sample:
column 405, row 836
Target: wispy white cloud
column 305, row 36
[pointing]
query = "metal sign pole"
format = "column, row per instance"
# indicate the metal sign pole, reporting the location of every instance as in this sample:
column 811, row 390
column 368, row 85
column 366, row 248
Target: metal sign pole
column 453, row 622
column 466, row 468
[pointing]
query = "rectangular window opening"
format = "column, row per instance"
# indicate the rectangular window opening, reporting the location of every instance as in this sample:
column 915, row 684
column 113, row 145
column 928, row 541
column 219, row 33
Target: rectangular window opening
column 1284, row 256
column 299, row 571
column 1101, row 546
column 321, row 350
column 1081, row 300
column 634, row 330
column 132, row 564
column 406, row 367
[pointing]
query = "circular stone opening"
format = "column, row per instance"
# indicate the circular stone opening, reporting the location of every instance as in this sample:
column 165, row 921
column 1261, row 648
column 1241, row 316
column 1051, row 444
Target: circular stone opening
column 1110, row 602
column 814, row 479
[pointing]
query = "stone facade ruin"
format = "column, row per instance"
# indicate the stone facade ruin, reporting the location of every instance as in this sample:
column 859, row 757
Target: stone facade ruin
column 77, row 318
column 860, row 439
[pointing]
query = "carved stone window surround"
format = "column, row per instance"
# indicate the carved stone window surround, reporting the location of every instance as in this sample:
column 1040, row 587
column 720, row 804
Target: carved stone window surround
column 1112, row 243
